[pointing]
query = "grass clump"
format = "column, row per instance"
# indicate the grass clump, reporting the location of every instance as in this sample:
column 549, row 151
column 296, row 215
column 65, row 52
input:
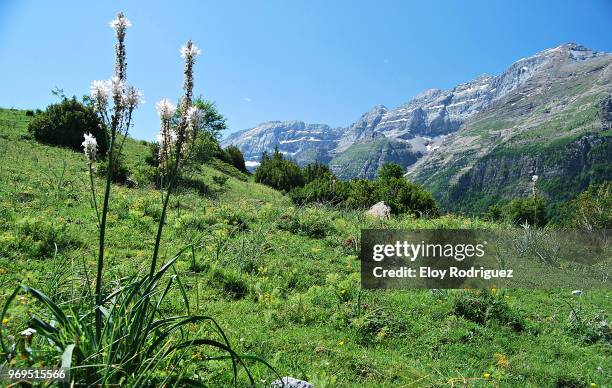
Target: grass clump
column 485, row 307
column 311, row 222
column 38, row 238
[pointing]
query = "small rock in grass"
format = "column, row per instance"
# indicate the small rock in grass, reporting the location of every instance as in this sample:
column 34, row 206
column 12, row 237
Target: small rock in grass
column 577, row 292
column 380, row 210
column 291, row 382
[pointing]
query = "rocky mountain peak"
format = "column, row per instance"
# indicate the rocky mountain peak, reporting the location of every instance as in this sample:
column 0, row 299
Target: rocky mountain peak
column 424, row 122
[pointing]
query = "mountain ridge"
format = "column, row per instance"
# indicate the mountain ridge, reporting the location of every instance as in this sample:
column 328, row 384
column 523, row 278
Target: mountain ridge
column 421, row 126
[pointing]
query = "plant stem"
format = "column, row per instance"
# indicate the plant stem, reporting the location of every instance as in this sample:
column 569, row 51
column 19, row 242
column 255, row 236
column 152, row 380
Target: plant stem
column 93, row 193
column 102, row 238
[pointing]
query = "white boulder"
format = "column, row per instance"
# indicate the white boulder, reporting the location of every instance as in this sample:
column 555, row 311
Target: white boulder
column 380, row 210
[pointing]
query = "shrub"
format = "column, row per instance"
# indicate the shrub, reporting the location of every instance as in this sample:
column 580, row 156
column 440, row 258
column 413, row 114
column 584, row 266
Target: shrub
column 361, row 194
column 376, row 324
column 231, row 283
column 153, row 157
column 65, row 123
column 593, row 207
column 220, row 180
column 203, row 148
column 279, row 173
column 324, row 190
column 405, row 197
column 531, row 210
column 120, row 171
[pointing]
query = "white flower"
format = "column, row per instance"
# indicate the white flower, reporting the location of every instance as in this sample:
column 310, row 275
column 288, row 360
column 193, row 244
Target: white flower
column 117, row 87
column 90, row 147
column 577, row 292
column 99, row 92
column 534, row 178
column 192, row 116
column 121, row 22
column 132, row 97
column 190, row 50
column 165, row 109
column 28, row 332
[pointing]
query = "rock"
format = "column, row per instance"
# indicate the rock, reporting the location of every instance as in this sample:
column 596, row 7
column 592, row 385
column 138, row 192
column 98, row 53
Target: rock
column 291, row 382
column 380, row 210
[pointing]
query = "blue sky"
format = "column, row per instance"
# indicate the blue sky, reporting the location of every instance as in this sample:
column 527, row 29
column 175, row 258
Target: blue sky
column 317, row 61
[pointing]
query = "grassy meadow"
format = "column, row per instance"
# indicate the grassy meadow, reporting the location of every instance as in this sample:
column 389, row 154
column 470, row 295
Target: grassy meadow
column 282, row 281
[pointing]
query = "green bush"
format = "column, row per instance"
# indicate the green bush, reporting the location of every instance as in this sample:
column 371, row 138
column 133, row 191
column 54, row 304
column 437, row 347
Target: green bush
column 390, row 186
column 405, row 197
column 361, row 194
column 231, row 283
column 323, row 190
column 120, row 171
column 593, row 207
column 65, row 123
column 203, row 148
column 278, row 172
column 531, row 210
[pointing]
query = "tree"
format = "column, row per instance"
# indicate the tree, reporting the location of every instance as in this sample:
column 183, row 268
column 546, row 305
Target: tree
column 389, row 171
column 317, row 170
column 278, row 172
column 235, row 157
column 210, row 120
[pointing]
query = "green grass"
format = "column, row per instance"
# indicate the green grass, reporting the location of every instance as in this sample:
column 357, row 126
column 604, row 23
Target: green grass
column 282, row 282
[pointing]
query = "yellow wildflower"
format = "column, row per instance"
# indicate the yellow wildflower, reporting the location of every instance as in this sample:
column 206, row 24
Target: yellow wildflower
column 341, row 343
column 5, row 321
column 501, row 360
column 486, row 375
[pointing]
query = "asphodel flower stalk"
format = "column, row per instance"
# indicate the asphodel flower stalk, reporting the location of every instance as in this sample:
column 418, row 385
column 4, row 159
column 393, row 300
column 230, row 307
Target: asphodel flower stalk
column 175, row 147
column 116, row 121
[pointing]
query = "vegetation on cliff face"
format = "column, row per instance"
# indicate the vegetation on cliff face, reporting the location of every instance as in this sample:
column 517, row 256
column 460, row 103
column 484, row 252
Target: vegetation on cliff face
column 561, row 134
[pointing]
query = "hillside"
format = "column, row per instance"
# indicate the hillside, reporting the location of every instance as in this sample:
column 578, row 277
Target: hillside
column 282, row 281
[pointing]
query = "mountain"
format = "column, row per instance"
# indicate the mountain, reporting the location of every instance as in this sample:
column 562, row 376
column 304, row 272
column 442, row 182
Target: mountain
column 296, row 139
column 556, row 124
column 555, row 103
